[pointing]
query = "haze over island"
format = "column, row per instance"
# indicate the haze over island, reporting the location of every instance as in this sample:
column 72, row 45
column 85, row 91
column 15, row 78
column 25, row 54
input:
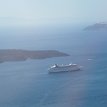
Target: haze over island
column 97, row 27
column 22, row 55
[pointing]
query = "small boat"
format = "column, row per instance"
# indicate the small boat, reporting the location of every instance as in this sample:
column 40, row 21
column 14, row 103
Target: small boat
column 64, row 68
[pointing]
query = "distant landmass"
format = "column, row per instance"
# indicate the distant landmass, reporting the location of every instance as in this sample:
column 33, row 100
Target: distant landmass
column 97, row 27
column 22, row 55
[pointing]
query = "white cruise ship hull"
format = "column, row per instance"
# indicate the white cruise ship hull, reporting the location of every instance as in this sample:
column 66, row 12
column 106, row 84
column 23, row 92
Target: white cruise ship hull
column 67, row 68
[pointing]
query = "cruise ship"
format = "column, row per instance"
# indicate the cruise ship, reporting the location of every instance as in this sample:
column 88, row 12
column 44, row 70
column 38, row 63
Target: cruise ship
column 64, row 68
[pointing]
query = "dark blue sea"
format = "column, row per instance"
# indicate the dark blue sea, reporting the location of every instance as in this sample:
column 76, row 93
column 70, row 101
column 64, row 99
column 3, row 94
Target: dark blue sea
column 28, row 84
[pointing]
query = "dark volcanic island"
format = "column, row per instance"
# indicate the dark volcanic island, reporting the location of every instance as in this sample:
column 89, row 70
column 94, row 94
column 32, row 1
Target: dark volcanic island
column 22, row 55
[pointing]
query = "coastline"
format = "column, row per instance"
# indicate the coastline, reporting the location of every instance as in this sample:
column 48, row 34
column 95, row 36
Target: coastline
column 22, row 55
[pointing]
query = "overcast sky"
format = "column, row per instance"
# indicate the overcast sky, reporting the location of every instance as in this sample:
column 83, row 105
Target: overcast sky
column 38, row 12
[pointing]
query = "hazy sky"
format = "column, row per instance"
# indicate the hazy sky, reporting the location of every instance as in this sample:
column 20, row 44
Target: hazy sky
column 37, row 12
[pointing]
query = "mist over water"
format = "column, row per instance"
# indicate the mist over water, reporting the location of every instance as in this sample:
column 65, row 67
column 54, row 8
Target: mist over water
column 28, row 84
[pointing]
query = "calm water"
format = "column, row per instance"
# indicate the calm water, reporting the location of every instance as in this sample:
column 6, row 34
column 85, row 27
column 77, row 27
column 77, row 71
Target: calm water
column 28, row 84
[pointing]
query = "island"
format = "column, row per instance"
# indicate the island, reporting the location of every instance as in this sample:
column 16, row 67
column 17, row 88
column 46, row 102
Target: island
column 97, row 27
column 22, row 55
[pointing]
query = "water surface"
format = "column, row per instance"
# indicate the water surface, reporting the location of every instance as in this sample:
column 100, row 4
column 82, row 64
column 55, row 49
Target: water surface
column 28, row 84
